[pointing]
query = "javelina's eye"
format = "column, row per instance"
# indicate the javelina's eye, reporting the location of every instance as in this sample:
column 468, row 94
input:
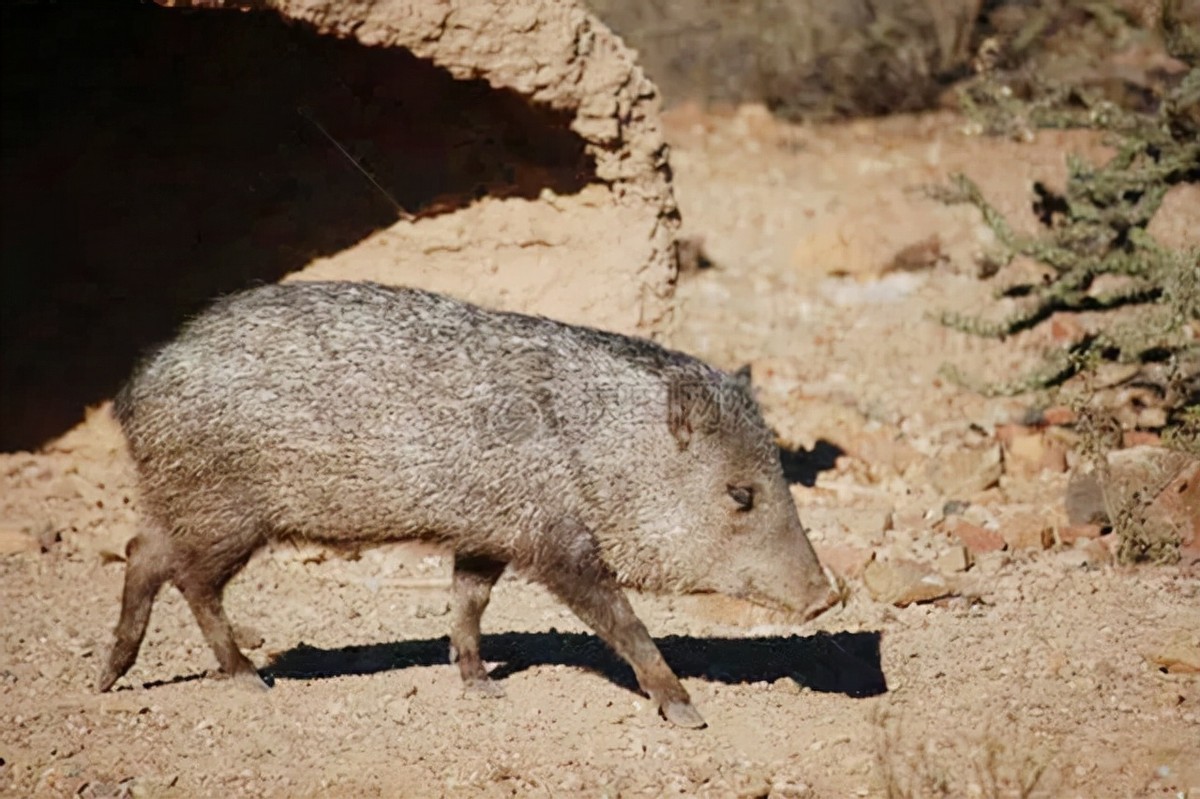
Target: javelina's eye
column 742, row 495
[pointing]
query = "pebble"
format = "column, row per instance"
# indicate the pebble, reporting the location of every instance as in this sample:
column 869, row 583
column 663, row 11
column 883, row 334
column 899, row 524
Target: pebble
column 902, row 582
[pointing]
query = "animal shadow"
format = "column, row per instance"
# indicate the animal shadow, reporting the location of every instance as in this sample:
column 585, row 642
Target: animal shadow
column 845, row 663
column 802, row 466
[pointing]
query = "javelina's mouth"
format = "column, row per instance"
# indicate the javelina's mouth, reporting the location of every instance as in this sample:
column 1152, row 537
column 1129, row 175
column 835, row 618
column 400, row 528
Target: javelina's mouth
column 836, row 594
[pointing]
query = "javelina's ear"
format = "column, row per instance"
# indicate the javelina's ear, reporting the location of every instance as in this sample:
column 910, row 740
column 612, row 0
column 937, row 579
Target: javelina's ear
column 742, row 376
column 689, row 403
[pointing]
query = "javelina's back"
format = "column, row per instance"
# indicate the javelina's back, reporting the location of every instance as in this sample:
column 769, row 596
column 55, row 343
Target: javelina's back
column 351, row 413
column 344, row 410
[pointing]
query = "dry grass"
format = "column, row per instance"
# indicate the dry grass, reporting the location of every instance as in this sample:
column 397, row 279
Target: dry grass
column 1011, row 765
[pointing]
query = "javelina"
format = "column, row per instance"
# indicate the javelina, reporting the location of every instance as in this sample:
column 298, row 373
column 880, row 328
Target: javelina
column 353, row 413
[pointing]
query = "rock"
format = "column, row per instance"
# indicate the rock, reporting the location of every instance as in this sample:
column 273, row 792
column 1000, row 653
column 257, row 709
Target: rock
column 106, row 543
column 923, row 254
column 14, row 540
column 910, row 518
column 955, row 559
column 1058, row 415
column 1079, row 558
column 977, row 539
column 47, row 537
column 397, row 710
column 1085, row 500
column 1054, row 458
column 955, row 507
column 1065, row 327
column 1111, row 374
column 1179, row 502
column 845, row 561
column 1152, row 418
column 1069, row 534
column 1025, row 527
column 1159, row 487
column 962, row 473
column 1099, row 551
column 902, row 582
column 1141, row 438
column 1006, row 433
column 1179, row 655
column 1030, row 453
column 865, row 522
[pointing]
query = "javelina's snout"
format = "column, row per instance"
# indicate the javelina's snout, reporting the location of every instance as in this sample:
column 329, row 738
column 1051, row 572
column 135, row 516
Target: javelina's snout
column 787, row 577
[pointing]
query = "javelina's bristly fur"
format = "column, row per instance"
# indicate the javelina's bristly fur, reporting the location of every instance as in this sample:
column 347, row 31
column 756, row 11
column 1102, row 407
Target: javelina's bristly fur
column 353, row 413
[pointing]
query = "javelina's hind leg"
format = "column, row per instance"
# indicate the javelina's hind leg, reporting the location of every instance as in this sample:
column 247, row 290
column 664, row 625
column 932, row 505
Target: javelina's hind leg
column 147, row 564
column 474, row 577
column 580, row 578
column 202, row 584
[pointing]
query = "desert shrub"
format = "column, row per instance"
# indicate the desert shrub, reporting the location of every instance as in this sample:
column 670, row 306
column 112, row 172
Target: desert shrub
column 1093, row 237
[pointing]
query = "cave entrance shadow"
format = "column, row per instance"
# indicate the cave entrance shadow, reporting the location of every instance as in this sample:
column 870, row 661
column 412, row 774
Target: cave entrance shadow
column 154, row 159
column 845, row 663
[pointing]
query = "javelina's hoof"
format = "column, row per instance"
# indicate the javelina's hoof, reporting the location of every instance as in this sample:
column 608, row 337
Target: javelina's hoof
column 489, row 689
column 107, row 678
column 683, row 714
column 251, row 681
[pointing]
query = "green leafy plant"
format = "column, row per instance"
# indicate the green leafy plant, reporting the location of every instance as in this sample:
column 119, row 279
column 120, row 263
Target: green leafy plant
column 1097, row 228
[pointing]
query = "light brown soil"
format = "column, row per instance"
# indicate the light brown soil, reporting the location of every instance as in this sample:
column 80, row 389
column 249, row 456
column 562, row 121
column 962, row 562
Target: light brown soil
column 1041, row 660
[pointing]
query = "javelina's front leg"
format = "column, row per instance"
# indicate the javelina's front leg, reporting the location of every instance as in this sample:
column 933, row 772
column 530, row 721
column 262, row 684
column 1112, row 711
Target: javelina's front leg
column 474, row 577
column 572, row 568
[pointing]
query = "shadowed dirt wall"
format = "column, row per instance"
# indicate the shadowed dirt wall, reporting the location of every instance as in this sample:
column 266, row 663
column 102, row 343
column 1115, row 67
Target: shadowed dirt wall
column 156, row 157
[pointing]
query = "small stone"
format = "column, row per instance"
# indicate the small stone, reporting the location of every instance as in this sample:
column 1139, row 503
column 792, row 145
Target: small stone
column 962, row 473
column 1112, row 374
column 1058, row 415
column 1007, row 433
column 1085, row 500
column 977, row 539
column 1026, row 528
column 14, row 540
column 955, row 559
column 886, row 447
column 1163, row 488
column 1179, row 655
column 397, row 710
column 1141, row 438
column 1100, row 551
column 47, row 537
column 1069, row 534
column 1073, row 559
column 1024, row 453
column 1152, row 418
column 865, row 522
column 1066, row 327
column 789, row 789
column 845, row 561
column 1054, row 457
column 955, row 507
column 902, row 582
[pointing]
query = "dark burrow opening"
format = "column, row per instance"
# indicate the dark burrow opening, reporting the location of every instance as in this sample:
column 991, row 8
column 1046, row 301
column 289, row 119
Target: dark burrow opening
column 155, row 158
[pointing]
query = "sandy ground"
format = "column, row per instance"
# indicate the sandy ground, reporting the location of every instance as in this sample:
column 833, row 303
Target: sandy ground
column 1045, row 659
